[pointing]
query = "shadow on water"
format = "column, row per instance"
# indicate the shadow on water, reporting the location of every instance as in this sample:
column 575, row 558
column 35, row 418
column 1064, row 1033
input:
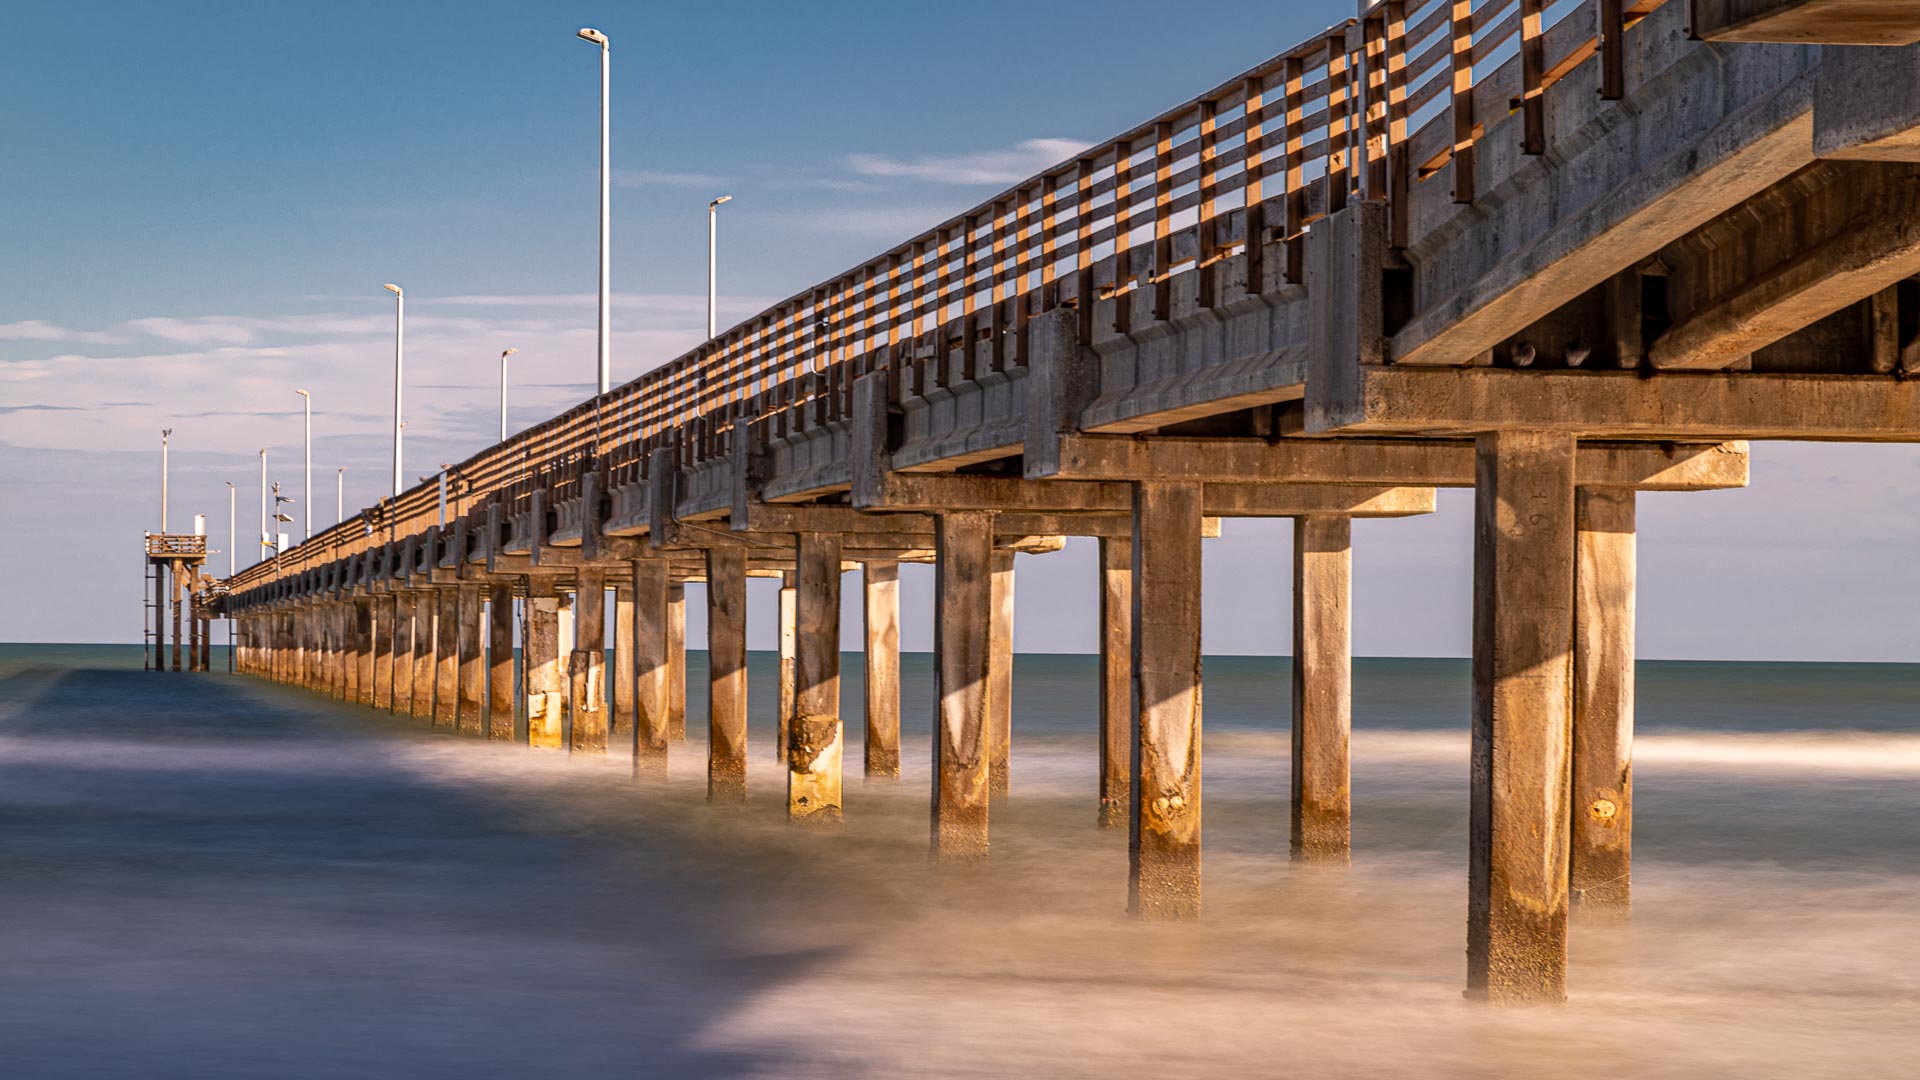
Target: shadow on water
column 211, row 877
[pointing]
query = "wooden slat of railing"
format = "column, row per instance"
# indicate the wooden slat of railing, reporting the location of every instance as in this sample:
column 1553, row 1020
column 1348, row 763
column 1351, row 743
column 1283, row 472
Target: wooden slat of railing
column 1461, row 110
column 1122, row 235
column 1254, row 94
column 1163, row 222
column 1294, row 184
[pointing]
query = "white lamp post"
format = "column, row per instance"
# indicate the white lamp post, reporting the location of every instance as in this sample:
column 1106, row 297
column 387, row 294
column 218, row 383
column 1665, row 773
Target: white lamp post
column 233, row 543
column 587, row 33
column 306, row 513
column 165, row 434
column 503, row 392
column 264, row 542
column 713, row 229
column 399, row 338
column 340, row 496
column 233, row 538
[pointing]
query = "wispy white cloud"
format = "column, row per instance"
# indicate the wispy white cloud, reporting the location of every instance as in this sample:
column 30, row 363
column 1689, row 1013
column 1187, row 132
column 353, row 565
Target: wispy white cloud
column 824, row 183
column 624, row 303
column 37, row 330
column 632, row 178
column 213, row 330
column 31, row 330
column 1008, row 165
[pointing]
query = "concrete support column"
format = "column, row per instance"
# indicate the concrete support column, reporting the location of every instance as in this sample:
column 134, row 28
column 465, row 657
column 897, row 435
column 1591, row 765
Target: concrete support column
column 784, row 717
column 1605, row 568
column 962, row 681
column 727, row 674
column 881, row 581
column 309, row 624
column 1322, row 814
column 306, row 617
column 546, row 684
column 403, row 653
column 321, row 616
column 193, row 642
column 814, row 743
column 363, row 651
column 382, row 608
column 620, row 721
column 1522, row 716
column 650, row 669
column 426, row 644
column 446, row 658
column 336, row 681
column 677, row 661
column 586, row 674
column 472, row 673
column 1165, row 823
column 1116, row 679
column 1000, row 677
column 500, row 708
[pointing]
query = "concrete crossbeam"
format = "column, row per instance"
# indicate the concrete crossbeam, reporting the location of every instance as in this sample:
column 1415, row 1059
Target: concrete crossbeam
column 994, row 493
column 1871, row 247
column 1642, row 466
column 1603, row 405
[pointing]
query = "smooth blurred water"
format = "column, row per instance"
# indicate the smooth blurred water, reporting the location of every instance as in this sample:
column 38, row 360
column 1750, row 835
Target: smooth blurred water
column 211, row 876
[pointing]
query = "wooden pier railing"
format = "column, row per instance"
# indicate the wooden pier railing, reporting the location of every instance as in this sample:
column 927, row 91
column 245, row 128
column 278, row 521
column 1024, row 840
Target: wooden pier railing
column 1364, row 110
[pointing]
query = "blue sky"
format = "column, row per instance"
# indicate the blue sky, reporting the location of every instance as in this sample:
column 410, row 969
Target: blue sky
column 199, row 203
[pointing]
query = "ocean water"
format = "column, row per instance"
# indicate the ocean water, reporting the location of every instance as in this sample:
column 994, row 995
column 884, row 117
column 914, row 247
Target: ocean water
column 211, row 876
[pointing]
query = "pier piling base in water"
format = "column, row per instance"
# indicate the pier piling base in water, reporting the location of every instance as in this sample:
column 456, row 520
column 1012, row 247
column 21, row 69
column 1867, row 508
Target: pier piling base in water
column 1523, row 601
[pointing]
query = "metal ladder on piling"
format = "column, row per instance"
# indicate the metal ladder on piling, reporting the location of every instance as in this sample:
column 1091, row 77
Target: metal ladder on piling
column 150, row 651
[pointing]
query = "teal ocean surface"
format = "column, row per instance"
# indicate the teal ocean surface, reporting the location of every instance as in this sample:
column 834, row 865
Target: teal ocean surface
column 213, row 876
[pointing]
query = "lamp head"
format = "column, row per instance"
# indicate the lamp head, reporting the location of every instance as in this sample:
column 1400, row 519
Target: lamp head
column 229, row 483
column 718, row 201
column 304, row 394
column 508, row 353
column 588, row 33
column 394, row 289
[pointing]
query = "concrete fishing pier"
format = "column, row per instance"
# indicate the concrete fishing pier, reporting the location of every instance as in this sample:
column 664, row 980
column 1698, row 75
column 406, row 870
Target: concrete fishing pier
column 1438, row 245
